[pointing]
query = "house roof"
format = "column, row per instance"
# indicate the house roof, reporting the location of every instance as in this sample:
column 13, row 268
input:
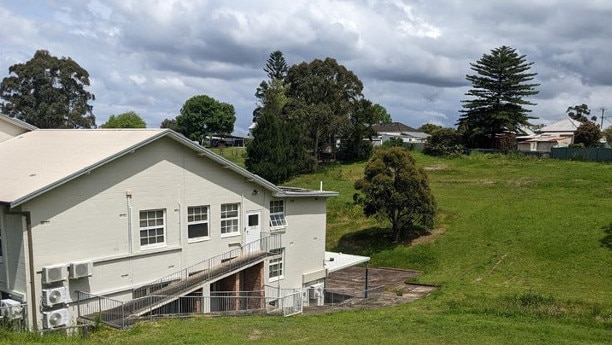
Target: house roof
column 565, row 125
column 18, row 123
column 35, row 162
column 393, row 127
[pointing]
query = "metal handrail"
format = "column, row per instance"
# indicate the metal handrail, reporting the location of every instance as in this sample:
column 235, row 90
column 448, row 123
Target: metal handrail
column 213, row 267
column 171, row 287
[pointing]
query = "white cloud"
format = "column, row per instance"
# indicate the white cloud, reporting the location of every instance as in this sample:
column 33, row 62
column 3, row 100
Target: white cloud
column 412, row 56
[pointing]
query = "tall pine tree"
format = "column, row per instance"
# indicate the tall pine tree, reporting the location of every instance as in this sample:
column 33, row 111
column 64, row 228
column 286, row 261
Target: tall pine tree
column 497, row 103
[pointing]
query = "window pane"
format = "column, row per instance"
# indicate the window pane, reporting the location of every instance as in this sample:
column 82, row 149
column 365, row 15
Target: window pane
column 197, row 230
column 253, row 220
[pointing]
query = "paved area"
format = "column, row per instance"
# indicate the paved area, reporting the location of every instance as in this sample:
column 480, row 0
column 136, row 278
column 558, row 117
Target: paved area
column 387, row 286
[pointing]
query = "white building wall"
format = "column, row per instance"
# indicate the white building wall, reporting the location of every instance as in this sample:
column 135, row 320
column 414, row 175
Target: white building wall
column 304, row 241
column 96, row 218
column 92, row 218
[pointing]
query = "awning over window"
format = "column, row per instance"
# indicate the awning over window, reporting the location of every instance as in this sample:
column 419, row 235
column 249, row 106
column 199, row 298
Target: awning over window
column 337, row 261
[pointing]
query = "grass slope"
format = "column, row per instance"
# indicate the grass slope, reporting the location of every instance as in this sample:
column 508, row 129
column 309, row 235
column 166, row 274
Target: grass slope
column 517, row 250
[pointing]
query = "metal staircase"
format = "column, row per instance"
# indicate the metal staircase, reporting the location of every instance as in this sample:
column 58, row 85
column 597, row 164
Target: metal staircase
column 172, row 287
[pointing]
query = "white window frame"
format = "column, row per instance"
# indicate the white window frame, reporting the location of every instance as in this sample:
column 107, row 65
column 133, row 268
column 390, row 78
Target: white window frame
column 230, row 220
column 277, row 214
column 152, row 224
column 276, row 266
column 198, row 218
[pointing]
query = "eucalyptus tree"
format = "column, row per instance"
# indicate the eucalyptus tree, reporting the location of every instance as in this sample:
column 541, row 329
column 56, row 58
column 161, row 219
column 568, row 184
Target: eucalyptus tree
column 322, row 95
column 497, row 102
column 48, row 92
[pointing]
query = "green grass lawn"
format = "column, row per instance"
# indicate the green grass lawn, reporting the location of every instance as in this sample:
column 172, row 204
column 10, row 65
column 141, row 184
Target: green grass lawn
column 517, row 251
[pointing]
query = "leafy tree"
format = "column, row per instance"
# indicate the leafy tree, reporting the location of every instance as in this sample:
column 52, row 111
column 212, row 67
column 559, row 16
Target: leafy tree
column 322, row 96
column 608, row 134
column 394, row 142
column 170, row 123
column 48, row 92
column 202, row 116
column 587, row 134
column 380, row 114
column 126, row 120
column 443, row 142
column 353, row 146
column 580, row 113
column 429, row 128
column 395, row 189
column 497, row 104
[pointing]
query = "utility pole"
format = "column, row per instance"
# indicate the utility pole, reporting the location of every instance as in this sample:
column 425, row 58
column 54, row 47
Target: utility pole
column 602, row 117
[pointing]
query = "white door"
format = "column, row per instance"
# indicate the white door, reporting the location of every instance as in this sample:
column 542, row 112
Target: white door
column 253, row 228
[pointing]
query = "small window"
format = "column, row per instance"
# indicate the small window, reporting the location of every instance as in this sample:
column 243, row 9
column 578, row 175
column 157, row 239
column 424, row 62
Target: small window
column 277, row 214
column 275, row 267
column 229, row 219
column 197, row 222
column 253, row 219
column 152, row 228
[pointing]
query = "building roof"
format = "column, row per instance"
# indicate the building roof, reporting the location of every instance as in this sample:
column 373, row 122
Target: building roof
column 35, row 162
column 18, row 123
column 565, row 125
column 393, row 127
column 338, row 261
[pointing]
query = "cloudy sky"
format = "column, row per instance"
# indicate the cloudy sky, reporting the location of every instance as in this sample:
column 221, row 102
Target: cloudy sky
column 411, row 55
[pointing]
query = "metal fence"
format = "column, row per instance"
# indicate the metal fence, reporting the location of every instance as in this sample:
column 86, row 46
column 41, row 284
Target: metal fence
column 14, row 316
column 595, row 154
column 335, row 297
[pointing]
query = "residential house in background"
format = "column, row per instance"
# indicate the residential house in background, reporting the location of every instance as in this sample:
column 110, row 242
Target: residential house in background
column 409, row 135
column 122, row 213
column 558, row 134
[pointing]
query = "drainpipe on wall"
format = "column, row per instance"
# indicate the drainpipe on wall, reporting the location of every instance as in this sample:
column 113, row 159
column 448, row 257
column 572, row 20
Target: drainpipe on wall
column 32, row 302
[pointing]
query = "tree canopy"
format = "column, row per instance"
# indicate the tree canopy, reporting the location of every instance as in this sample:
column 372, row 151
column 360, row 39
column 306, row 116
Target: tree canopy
column 276, row 152
column 497, row 101
column 129, row 119
column 580, row 113
column 276, row 69
column 202, row 116
column 588, row 134
column 323, row 95
column 48, row 92
column 395, row 189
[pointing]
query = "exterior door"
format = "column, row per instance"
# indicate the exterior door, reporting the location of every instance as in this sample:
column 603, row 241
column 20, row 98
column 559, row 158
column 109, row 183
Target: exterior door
column 253, row 226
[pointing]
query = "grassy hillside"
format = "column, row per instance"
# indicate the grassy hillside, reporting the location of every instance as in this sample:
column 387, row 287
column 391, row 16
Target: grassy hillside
column 517, row 251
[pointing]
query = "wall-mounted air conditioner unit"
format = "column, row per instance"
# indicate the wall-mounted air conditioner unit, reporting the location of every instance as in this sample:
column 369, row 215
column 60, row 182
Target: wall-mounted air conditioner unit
column 317, row 292
column 55, row 318
column 51, row 297
column 11, row 309
column 53, row 274
column 81, row 269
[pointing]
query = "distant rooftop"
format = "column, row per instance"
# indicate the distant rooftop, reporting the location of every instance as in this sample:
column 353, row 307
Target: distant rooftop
column 393, row 127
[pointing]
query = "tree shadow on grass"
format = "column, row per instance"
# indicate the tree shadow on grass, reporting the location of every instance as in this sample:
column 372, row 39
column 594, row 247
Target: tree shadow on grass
column 376, row 239
column 606, row 241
